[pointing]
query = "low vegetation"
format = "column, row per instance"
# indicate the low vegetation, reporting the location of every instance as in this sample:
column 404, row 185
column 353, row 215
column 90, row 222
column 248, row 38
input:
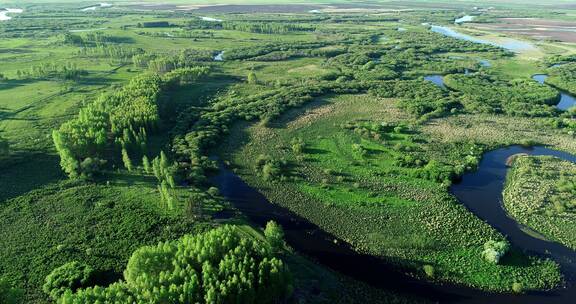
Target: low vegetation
column 541, row 194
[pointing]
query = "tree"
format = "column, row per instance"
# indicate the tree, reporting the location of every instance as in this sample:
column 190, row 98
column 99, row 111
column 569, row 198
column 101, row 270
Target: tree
column 4, row 147
column 274, row 235
column 252, row 79
column 8, row 293
column 146, row 164
column 70, row 276
column 126, row 160
column 495, row 250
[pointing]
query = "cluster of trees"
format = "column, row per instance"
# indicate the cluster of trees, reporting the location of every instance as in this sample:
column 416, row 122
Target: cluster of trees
column 180, row 34
column 281, row 51
column 371, row 129
column 67, row 71
column 118, row 119
column 152, row 24
column 418, row 97
column 223, row 265
column 165, row 63
column 434, row 43
column 564, row 77
column 89, row 39
column 111, row 52
column 46, row 25
column 267, row 27
column 119, row 122
column 270, row 168
column 261, row 27
column 483, row 93
column 559, row 59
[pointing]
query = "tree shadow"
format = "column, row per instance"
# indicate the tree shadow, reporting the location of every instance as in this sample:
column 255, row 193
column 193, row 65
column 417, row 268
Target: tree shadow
column 26, row 171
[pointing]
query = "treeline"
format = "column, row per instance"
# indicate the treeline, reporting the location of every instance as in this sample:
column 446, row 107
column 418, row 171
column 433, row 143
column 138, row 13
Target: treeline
column 251, row 26
column 483, row 93
column 89, row 39
column 282, row 51
column 152, row 24
column 224, row 265
column 116, row 122
column 111, row 52
column 67, row 71
column 180, row 34
column 49, row 26
column 163, row 63
column 267, row 27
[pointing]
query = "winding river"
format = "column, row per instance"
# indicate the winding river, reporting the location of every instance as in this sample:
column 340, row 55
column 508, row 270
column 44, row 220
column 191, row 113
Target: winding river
column 510, row 44
column 566, row 100
column 479, row 191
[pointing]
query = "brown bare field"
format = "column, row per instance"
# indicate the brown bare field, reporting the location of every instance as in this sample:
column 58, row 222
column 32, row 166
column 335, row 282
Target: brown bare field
column 564, row 31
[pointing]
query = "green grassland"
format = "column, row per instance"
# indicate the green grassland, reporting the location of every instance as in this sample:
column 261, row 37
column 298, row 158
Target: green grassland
column 379, row 207
column 540, row 194
column 374, row 169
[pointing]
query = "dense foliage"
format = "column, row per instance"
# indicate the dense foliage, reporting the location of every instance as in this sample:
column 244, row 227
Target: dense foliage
column 118, row 121
column 70, row 276
column 9, row 294
column 220, row 266
column 483, row 93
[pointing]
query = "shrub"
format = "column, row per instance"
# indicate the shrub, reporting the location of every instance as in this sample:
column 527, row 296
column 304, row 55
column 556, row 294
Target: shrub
column 69, row 276
column 429, row 270
column 495, row 250
column 517, row 287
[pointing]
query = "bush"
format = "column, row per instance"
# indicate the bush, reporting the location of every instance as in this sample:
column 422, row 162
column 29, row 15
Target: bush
column 429, row 270
column 517, row 287
column 495, row 250
column 69, row 276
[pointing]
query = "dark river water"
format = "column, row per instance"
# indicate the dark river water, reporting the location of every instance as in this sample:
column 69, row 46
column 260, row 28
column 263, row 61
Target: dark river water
column 479, row 191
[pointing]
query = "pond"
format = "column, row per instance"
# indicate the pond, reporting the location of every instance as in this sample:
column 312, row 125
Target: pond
column 210, row 19
column 436, row 79
column 219, row 56
column 466, row 18
column 95, row 7
column 4, row 13
column 566, row 99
